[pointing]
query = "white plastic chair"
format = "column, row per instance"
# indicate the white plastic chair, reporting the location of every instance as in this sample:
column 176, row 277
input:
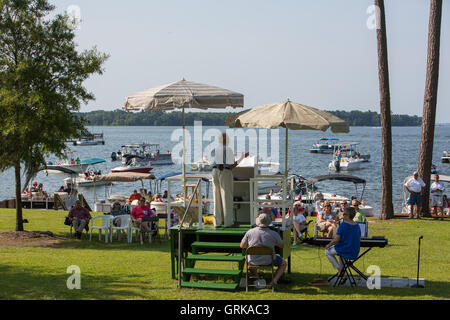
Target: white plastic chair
column 125, row 222
column 106, row 225
column 137, row 230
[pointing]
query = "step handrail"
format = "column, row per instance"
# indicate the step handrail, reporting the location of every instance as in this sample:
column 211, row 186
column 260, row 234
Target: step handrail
column 179, row 231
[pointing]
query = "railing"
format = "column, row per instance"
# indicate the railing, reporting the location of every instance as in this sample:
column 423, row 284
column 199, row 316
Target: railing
column 180, row 258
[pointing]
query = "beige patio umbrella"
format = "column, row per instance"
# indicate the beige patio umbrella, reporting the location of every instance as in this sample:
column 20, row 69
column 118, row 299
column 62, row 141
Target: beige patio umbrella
column 181, row 95
column 289, row 115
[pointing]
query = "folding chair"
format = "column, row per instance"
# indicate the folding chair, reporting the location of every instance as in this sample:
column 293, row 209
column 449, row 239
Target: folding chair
column 258, row 250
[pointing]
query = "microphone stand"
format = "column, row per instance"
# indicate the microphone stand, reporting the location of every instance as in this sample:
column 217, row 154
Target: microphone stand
column 417, row 285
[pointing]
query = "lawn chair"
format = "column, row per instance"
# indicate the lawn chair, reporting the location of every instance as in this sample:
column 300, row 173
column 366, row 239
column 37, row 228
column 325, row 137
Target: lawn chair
column 258, row 251
column 125, row 221
column 105, row 225
column 138, row 230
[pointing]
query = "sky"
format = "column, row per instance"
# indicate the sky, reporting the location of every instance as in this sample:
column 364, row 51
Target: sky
column 319, row 53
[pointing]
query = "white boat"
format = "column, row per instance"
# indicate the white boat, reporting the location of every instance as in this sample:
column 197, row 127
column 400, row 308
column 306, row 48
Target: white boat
column 446, row 157
column 77, row 165
column 324, row 145
column 92, row 140
column 202, row 165
column 350, row 160
column 145, row 152
column 308, row 199
column 133, row 165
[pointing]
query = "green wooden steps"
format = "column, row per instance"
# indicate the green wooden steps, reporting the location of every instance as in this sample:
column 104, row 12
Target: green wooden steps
column 234, row 273
column 215, row 251
column 210, row 285
column 208, row 257
column 215, row 245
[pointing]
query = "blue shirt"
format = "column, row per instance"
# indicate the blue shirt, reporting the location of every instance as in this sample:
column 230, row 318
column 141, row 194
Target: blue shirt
column 348, row 244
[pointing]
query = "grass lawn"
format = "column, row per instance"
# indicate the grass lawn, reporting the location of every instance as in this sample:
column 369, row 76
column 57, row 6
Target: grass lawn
column 131, row 271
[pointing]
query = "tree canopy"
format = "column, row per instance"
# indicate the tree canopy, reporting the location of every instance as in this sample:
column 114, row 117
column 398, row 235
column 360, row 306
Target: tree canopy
column 41, row 83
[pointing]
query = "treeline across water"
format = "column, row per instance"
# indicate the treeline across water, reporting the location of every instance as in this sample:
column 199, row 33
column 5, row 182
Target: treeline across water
column 160, row 118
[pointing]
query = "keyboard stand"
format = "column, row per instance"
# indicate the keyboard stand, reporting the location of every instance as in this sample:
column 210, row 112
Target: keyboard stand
column 346, row 270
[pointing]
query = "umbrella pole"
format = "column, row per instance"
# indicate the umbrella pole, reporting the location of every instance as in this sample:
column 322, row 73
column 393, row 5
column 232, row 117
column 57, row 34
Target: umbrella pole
column 184, row 158
column 286, row 156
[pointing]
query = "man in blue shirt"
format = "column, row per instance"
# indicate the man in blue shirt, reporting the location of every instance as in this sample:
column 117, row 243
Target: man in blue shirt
column 346, row 243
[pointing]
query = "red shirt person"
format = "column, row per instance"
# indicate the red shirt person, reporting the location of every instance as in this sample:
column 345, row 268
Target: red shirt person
column 138, row 213
column 135, row 196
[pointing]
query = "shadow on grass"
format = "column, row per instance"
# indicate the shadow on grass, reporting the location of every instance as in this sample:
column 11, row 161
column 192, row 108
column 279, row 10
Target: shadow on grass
column 301, row 284
column 34, row 283
column 157, row 244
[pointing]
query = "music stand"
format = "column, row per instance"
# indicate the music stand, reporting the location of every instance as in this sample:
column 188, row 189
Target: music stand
column 417, row 285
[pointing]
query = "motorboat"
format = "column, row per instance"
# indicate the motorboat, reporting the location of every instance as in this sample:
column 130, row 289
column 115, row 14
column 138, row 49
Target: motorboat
column 446, row 157
column 350, row 158
column 133, row 163
column 77, row 165
column 202, row 165
column 146, row 152
column 309, row 197
column 324, row 145
column 92, row 139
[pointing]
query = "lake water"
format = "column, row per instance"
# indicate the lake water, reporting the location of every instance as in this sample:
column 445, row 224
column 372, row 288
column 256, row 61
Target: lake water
column 406, row 142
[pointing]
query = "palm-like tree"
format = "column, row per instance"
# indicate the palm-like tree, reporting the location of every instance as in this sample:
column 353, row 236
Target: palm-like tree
column 387, row 207
column 430, row 101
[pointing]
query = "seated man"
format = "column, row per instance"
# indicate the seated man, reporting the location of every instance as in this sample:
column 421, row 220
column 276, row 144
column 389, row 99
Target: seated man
column 359, row 216
column 326, row 220
column 79, row 217
column 340, row 212
column 262, row 235
column 139, row 216
column 135, row 196
column 347, row 241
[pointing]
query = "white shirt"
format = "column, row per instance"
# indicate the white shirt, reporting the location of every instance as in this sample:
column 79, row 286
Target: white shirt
column 220, row 158
column 435, row 186
column 415, row 185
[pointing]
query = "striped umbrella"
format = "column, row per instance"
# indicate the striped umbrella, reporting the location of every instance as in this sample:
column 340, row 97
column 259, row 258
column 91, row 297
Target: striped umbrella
column 181, row 95
column 288, row 115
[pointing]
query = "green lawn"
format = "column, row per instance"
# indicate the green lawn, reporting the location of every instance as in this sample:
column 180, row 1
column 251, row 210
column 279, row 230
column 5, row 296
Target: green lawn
column 131, row 271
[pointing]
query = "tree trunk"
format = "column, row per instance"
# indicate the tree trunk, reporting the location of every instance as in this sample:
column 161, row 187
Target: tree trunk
column 19, row 217
column 387, row 207
column 430, row 101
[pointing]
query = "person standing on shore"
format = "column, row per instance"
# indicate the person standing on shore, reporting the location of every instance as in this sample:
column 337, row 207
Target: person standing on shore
column 223, row 182
column 437, row 192
column 415, row 187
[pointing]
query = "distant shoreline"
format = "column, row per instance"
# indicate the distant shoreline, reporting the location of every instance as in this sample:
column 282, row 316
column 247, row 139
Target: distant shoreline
column 118, row 117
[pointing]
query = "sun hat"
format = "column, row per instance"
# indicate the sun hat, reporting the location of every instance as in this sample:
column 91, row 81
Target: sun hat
column 263, row 220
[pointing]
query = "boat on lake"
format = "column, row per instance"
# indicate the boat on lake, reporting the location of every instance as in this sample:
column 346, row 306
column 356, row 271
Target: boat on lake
column 446, row 157
column 71, row 163
column 92, row 139
column 324, row 145
column 309, row 197
column 133, row 163
column 145, row 152
column 350, row 158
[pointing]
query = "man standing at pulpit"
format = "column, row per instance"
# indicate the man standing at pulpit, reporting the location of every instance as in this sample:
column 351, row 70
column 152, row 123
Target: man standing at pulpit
column 223, row 165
